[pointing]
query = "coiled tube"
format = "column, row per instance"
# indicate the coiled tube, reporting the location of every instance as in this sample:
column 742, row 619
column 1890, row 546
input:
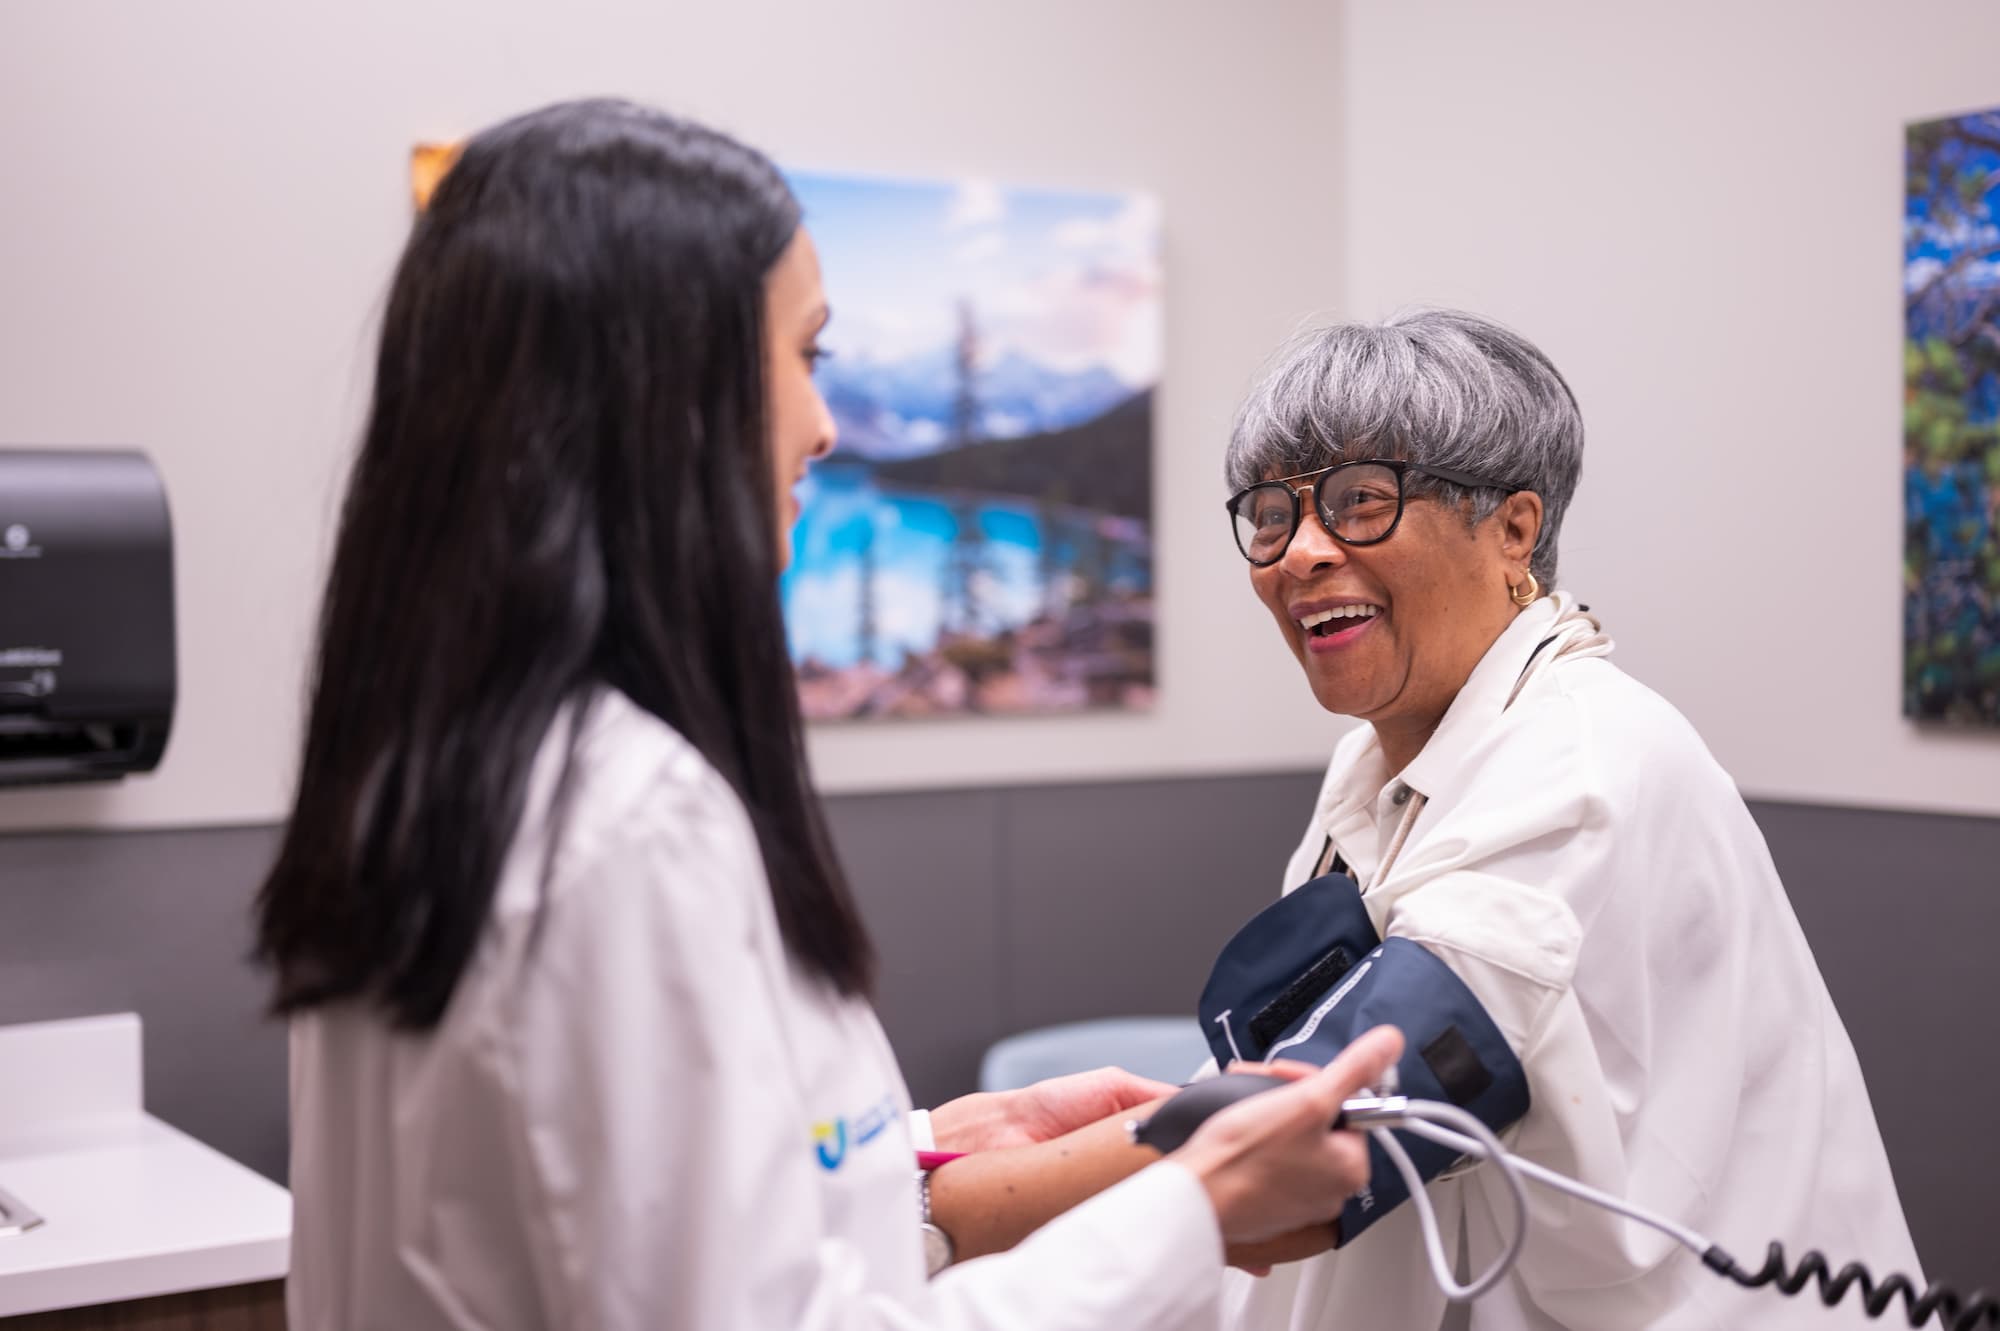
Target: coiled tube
column 1952, row 1310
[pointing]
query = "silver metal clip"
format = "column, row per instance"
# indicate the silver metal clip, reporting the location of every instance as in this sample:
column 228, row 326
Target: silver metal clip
column 1373, row 1111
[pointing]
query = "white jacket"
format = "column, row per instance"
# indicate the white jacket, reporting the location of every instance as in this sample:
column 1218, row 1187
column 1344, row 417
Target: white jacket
column 637, row 1114
column 1570, row 849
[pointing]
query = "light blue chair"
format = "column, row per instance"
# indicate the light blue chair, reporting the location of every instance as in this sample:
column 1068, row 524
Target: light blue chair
column 1167, row 1049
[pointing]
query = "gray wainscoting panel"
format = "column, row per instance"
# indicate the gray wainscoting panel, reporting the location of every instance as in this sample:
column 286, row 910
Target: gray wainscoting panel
column 926, row 869
column 1119, row 896
column 1902, row 911
column 155, row 923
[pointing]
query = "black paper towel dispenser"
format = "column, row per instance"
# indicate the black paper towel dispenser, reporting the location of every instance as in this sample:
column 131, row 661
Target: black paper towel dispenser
column 87, row 680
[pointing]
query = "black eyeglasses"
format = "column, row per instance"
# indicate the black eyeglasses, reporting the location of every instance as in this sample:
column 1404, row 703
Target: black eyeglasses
column 1359, row 503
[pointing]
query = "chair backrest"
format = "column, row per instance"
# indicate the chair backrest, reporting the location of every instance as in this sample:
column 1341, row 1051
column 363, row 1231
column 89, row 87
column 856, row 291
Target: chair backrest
column 1168, row 1049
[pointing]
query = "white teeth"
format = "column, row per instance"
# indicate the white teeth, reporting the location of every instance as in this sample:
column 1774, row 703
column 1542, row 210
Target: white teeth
column 1340, row 612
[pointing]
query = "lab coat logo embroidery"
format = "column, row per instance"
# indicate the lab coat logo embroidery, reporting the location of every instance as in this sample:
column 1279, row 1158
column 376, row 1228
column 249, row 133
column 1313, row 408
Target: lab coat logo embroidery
column 830, row 1143
column 830, row 1138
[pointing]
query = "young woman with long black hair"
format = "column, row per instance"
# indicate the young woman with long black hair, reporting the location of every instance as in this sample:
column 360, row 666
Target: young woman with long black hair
column 577, row 990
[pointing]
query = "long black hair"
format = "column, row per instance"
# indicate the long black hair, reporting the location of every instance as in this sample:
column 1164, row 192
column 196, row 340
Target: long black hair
column 564, row 483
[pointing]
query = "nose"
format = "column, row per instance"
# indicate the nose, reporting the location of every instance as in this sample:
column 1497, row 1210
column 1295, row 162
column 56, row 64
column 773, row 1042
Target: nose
column 1312, row 548
column 825, row 432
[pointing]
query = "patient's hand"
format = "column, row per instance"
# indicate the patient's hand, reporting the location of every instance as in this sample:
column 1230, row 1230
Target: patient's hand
column 1048, row 1109
column 1259, row 1258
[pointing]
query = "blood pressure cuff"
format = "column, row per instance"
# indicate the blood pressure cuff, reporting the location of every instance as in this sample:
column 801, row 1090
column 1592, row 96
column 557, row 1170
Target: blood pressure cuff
column 1309, row 974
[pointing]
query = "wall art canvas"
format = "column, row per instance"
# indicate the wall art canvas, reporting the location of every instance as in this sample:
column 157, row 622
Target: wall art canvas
column 428, row 163
column 1951, row 420
column 981, row 540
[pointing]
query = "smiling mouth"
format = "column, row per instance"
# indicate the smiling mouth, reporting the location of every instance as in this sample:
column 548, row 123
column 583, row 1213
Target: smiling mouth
column 1339, row 621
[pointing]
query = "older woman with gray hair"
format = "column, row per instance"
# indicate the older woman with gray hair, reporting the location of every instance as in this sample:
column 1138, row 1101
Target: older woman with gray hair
column 1557, row 835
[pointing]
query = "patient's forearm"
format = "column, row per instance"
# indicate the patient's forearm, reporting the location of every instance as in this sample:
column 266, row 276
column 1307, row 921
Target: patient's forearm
column 991, row 1200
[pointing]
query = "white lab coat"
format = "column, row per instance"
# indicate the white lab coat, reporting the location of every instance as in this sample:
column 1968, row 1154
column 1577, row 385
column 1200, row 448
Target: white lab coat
column 637, row 1114
column 1578, row 858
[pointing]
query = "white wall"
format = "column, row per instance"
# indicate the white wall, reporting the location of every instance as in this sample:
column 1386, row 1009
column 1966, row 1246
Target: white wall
column 1695, row 209
column 202, row 202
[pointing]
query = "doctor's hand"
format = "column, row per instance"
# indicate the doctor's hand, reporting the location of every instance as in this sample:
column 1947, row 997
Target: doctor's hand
column 1269, row 1162
column 1048, row 1109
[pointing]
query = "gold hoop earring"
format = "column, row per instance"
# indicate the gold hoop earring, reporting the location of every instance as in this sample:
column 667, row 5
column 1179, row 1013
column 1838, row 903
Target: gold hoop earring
column 1520, row 597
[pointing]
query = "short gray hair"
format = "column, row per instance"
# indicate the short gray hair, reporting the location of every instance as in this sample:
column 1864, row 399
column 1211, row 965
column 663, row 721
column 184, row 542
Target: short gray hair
column 1437, row 387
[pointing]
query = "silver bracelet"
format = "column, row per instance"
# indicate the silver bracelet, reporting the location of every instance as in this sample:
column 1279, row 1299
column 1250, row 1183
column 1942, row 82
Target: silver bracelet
column 939, row 1250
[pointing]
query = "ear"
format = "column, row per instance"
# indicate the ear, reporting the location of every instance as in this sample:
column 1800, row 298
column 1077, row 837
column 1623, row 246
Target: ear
column 1519, row 523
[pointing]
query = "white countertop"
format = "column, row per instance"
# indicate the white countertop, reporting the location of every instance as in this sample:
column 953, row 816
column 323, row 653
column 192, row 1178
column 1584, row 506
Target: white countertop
column 130, row 1207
